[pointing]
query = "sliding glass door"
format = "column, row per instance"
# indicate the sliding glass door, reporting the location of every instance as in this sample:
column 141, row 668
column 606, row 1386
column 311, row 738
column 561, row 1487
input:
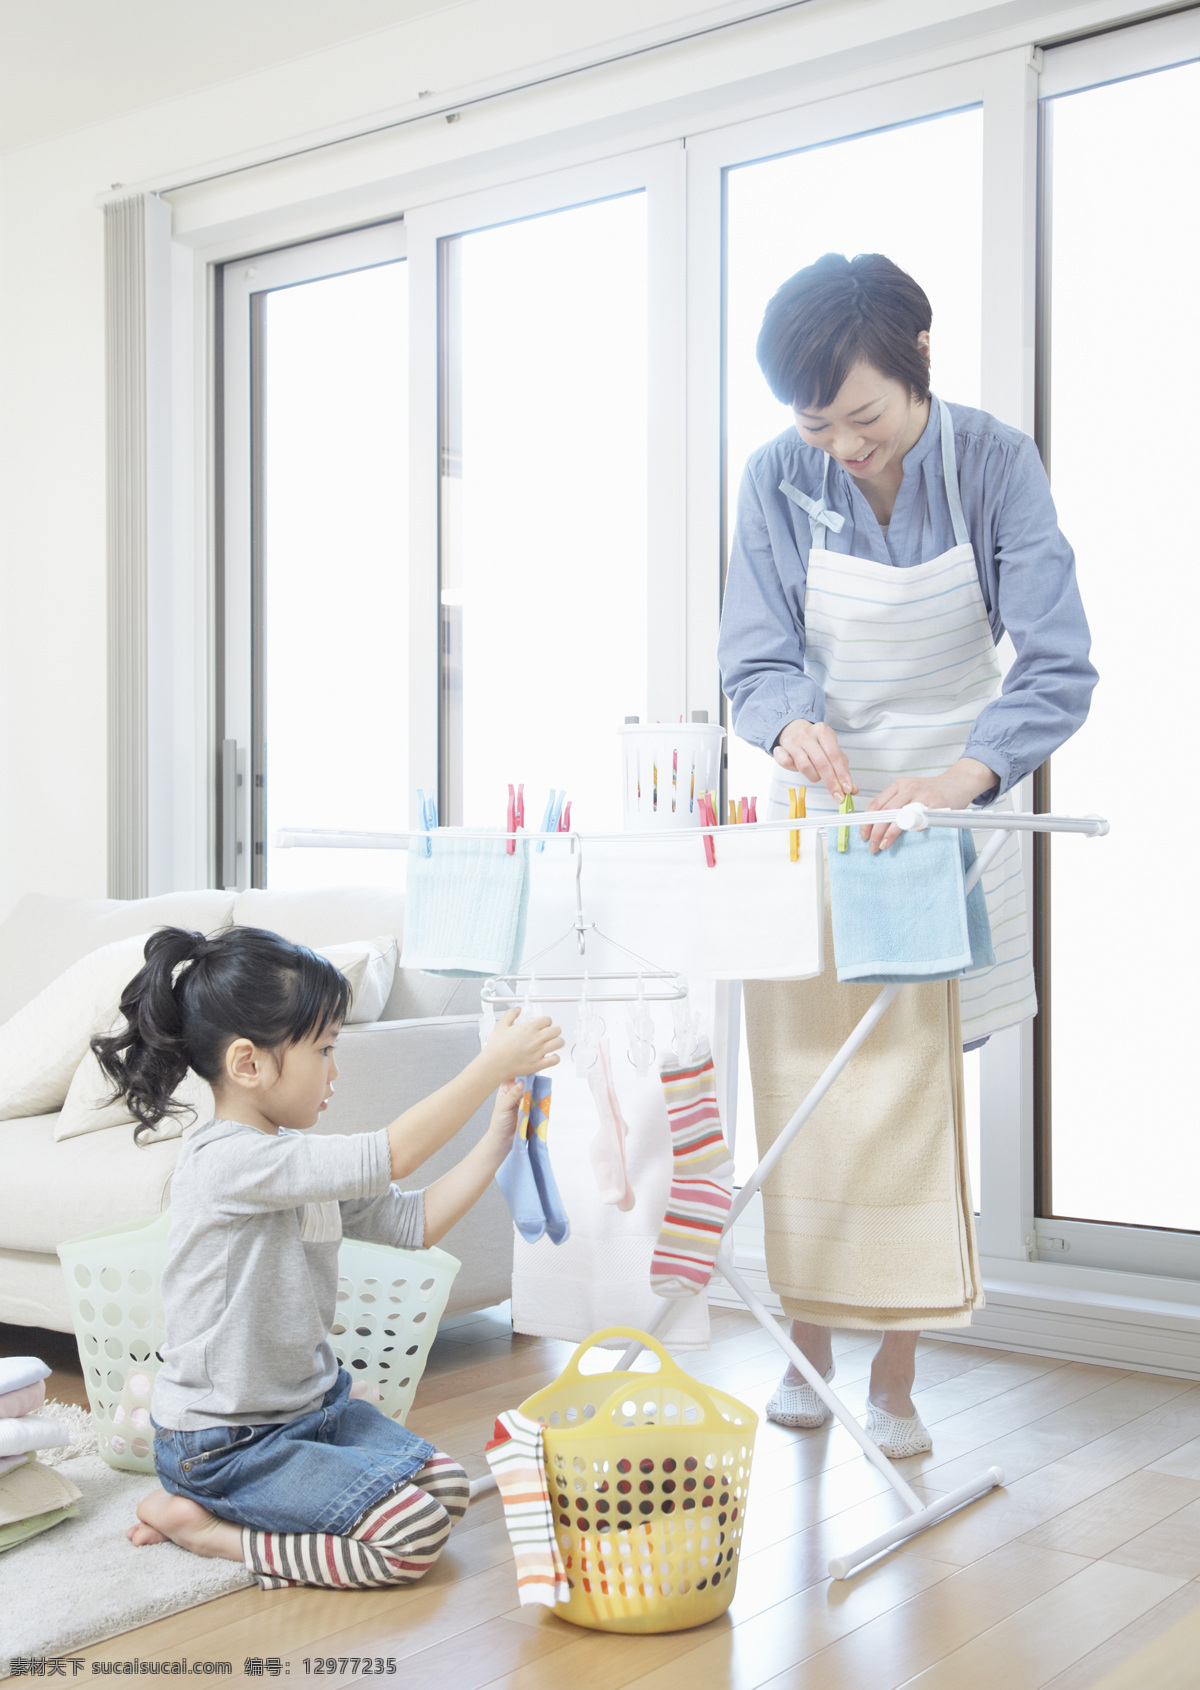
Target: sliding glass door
column 1120, row 1120
column 315, row 688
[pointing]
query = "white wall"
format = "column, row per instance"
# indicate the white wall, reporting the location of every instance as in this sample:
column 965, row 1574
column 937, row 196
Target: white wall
column 52, row 462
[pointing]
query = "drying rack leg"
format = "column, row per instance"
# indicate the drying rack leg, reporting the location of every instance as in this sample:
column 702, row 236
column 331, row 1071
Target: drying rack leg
column 920, row 1515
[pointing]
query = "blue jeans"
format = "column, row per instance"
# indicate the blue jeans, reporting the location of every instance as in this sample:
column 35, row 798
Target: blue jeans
column 314, row 1474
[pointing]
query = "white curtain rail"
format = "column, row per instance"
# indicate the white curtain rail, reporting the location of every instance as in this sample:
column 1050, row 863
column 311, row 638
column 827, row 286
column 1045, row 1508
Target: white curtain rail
column 909, row 817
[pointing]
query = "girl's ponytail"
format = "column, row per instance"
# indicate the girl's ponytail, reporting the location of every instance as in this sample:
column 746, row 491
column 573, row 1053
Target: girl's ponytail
column 194, row 996
column 147, row 1058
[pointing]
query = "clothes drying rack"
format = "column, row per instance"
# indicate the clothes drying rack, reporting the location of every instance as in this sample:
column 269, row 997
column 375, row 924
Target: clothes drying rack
column 920, row 1515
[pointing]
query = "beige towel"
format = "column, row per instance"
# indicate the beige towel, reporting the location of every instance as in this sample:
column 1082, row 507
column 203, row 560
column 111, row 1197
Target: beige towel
column 869, row 1221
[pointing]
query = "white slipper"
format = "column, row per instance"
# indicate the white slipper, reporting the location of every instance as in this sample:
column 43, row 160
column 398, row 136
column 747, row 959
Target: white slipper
column 897, row 1438
column 798, row 1406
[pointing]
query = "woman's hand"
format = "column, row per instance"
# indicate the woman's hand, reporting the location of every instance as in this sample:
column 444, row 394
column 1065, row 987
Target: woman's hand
column 954, row 790
column 812, row 749
column 522, row 1047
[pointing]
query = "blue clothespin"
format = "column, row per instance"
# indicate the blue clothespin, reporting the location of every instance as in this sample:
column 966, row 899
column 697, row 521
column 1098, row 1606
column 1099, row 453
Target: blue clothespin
column 551, row 814
column 429, row 817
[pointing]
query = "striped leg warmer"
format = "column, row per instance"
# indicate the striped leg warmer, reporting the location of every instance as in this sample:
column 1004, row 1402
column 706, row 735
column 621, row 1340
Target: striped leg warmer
column 395, row 1541
column 515, row 1457
column 700, row 1184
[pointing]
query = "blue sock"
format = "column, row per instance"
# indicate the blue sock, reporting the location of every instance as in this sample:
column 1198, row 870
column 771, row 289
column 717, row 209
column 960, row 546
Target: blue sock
column 515, row 1177
column 557, row 1225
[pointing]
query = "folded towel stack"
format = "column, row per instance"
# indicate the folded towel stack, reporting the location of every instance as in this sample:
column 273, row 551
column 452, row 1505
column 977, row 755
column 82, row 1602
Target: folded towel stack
column 902, row 915
column 33, row 1497
column 465, row 906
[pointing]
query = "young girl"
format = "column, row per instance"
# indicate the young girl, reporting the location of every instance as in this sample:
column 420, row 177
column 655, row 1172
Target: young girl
column 263, row 1453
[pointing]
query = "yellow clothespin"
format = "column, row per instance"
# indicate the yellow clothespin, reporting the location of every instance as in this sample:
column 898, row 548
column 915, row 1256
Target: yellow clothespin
column 796, row 812
column 733, row 815
column 845, row 808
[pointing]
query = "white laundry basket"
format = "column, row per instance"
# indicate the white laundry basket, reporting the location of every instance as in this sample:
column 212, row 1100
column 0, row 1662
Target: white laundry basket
column 389, row 1303
column 665, row 768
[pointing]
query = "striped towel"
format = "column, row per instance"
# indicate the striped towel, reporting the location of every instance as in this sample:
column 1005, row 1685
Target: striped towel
column 515, row 1457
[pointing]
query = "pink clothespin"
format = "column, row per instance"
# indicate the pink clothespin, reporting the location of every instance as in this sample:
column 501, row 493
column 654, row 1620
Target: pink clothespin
column 744, row 810
column 564, row 825
column 754, row 809
column 707, row 814
column 510, row 845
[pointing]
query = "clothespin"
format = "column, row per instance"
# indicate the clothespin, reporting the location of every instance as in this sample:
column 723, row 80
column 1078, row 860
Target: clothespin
column 708, row 814
column 733, row 812
column 743, row 810
column 429, row 819
column 641, row 1034
column 674, row 776
column 754, row 809
column 564, row 825
column 510, row 845
column 545, row 827
column 796, row 812
column 654, row 801
column 692, row 789
column 845, row 808
column 556, row 812
column 521, row 805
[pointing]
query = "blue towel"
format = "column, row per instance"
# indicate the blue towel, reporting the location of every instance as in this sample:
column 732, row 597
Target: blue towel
column 902, row 915
column 465, row 906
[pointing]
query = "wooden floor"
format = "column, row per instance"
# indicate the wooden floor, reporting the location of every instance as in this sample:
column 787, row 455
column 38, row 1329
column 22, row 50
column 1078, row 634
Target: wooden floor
column 1090, row 1554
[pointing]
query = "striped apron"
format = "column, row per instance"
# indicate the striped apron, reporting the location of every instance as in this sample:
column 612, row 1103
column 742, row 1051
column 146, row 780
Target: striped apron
column 907, row 661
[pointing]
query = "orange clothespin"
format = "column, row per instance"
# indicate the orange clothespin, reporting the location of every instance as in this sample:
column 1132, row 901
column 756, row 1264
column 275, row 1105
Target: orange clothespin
column 733, row 815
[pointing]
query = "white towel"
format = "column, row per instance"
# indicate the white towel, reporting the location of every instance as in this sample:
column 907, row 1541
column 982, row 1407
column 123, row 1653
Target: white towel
column 755, row 916
column 18, row 1371
column 33, row 1431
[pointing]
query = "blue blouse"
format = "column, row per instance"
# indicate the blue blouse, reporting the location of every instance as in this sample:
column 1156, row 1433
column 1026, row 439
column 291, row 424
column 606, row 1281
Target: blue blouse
column 1026, row 573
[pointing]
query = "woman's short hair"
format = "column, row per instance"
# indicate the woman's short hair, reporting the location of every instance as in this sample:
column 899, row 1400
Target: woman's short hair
column 835, row 314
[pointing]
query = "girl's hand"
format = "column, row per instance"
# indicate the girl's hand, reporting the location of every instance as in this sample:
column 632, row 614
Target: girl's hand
column 963, row 782
column 522, row 1047
column 813, row 750
column 502, row 1128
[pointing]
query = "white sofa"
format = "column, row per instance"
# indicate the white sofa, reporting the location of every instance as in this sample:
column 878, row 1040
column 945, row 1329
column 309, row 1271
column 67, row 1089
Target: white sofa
column 52, row 1190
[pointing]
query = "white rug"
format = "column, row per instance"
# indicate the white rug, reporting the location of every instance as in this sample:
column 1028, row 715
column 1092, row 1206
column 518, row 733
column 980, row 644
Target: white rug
column 83, row 1581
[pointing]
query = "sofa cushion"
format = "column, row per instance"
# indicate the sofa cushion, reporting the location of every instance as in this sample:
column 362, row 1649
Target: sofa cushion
column 44, row 935
column 88, row 1109
column 51, row 1191
column 43, row 1044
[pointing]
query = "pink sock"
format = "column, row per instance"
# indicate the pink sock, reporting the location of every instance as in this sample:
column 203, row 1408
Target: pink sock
column 607, row 1149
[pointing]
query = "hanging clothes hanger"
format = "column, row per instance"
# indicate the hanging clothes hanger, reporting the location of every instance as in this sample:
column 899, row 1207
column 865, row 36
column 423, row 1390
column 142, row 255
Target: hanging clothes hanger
column 644, row 982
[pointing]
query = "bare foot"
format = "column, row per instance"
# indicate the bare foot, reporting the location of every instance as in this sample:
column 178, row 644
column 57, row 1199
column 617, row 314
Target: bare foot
column 161, row 1516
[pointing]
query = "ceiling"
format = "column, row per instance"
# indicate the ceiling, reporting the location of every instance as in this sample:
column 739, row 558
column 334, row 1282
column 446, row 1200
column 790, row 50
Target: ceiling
column 65, row 63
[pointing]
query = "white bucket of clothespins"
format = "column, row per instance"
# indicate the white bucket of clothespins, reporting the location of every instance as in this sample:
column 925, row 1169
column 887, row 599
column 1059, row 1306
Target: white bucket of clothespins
column 666, row 766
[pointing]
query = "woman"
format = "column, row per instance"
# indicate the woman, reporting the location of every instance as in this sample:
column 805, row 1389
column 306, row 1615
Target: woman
column 881, row 550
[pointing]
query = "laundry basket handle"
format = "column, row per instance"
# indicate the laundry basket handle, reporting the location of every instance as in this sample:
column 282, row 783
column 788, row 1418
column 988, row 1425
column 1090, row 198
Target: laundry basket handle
column 572, row 1369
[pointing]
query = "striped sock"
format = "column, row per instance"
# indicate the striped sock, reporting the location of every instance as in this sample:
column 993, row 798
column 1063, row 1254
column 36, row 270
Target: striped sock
column 515, row 1457
column 700, row 1184
column 395, row 1541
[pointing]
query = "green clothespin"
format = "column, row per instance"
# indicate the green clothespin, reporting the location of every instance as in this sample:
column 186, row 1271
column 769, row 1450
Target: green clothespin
column 845, row 808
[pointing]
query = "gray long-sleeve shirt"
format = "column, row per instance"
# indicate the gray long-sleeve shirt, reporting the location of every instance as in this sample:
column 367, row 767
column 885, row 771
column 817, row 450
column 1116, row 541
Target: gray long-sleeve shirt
column 1026, row 573
column 250, row 1286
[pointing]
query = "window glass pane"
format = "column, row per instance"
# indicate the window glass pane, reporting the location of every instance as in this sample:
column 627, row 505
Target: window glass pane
column 544, row 510
column 1124, row 370
column 913, row 193
column 334, row 516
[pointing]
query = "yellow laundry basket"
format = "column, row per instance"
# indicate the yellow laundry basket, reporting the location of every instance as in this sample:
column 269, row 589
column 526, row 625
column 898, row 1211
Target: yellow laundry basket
column 648, row 1476
column 389, row 1302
